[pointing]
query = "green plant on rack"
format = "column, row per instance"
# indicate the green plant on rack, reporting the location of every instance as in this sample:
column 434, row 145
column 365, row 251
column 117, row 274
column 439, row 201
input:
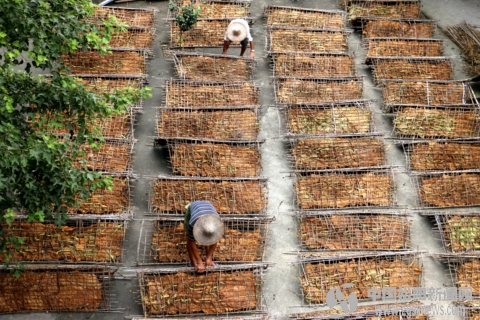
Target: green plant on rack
column 186, row 17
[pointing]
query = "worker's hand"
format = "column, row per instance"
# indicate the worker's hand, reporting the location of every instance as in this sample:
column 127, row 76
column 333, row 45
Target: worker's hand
column 252, row 55
column 200, row 267
column 224, row 52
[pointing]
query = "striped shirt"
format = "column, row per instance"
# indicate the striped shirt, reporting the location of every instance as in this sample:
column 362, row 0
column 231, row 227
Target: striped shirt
column 195, row 210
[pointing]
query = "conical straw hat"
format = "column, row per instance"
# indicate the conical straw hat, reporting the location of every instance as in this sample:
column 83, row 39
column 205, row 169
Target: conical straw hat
column 236, row 31
column 208, row 229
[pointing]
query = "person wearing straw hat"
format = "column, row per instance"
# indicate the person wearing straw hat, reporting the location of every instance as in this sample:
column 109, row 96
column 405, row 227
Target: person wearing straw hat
column 238, row 30
column 202, row 225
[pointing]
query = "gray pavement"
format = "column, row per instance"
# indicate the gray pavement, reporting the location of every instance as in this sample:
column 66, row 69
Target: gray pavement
column 282, row 286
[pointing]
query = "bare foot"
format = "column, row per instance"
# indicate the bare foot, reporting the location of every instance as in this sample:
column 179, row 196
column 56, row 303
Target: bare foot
column 200, row 267
column 210, row 263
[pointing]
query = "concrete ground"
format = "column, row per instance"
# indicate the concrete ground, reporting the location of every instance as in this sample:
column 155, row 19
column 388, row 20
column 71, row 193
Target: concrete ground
column 282, row 286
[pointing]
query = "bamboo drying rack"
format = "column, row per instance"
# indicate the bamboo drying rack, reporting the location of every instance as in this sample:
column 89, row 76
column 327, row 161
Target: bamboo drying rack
column 59, row 288
column 345, row 189
column 313, row 65
column 106, row 202
column 365, row 312
column 232, row 195
column 335, row 119
column 382, row 8
column 406, row 28
column 210, row 94
column 216, row 9
column 243, row 277
column 163, row 241
column 447, row 189
column 305, row 17
column 319, row 272
column 206, row 158
column 455, row 122
column 131, row 63
column 464, row 271
column 354, row 230
column 133, row 17
column 472, row 309
column 213, row 67
column 302, row 91
column 457, row 230
column 232, row 124
column 207, row 33
column 82, row 240
column 134, row 39
column 112, row 155
column 441, row 154
column 305, row 40
column 318, row 153
column 238, row 317
column 396, row 47
column 409, row 68
column 110, row 84
column 427, row 93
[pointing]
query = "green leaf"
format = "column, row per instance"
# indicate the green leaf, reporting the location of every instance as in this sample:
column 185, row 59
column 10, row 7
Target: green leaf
column 17, row 273
column 37, row 216
column 8, row 103
column 9, row 216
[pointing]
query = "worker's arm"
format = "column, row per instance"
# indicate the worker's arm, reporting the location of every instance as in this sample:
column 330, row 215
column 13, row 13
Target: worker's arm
column 226, row 44
column 194, row 255
column 252, row 50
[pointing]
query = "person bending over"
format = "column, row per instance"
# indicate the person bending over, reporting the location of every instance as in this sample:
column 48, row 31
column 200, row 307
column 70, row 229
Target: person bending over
column 202, row 225
column 238, row 30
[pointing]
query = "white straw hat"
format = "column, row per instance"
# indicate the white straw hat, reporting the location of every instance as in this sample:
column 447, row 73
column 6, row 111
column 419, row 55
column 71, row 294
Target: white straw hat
column 208, row 229
column 236, row 31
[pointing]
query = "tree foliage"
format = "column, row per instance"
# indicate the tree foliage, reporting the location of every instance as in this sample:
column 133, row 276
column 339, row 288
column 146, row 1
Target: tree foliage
column 186, row 17
column 36, row 172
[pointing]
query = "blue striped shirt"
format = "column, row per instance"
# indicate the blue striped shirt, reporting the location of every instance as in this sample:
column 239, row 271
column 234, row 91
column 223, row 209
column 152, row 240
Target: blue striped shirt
column 197, row 209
